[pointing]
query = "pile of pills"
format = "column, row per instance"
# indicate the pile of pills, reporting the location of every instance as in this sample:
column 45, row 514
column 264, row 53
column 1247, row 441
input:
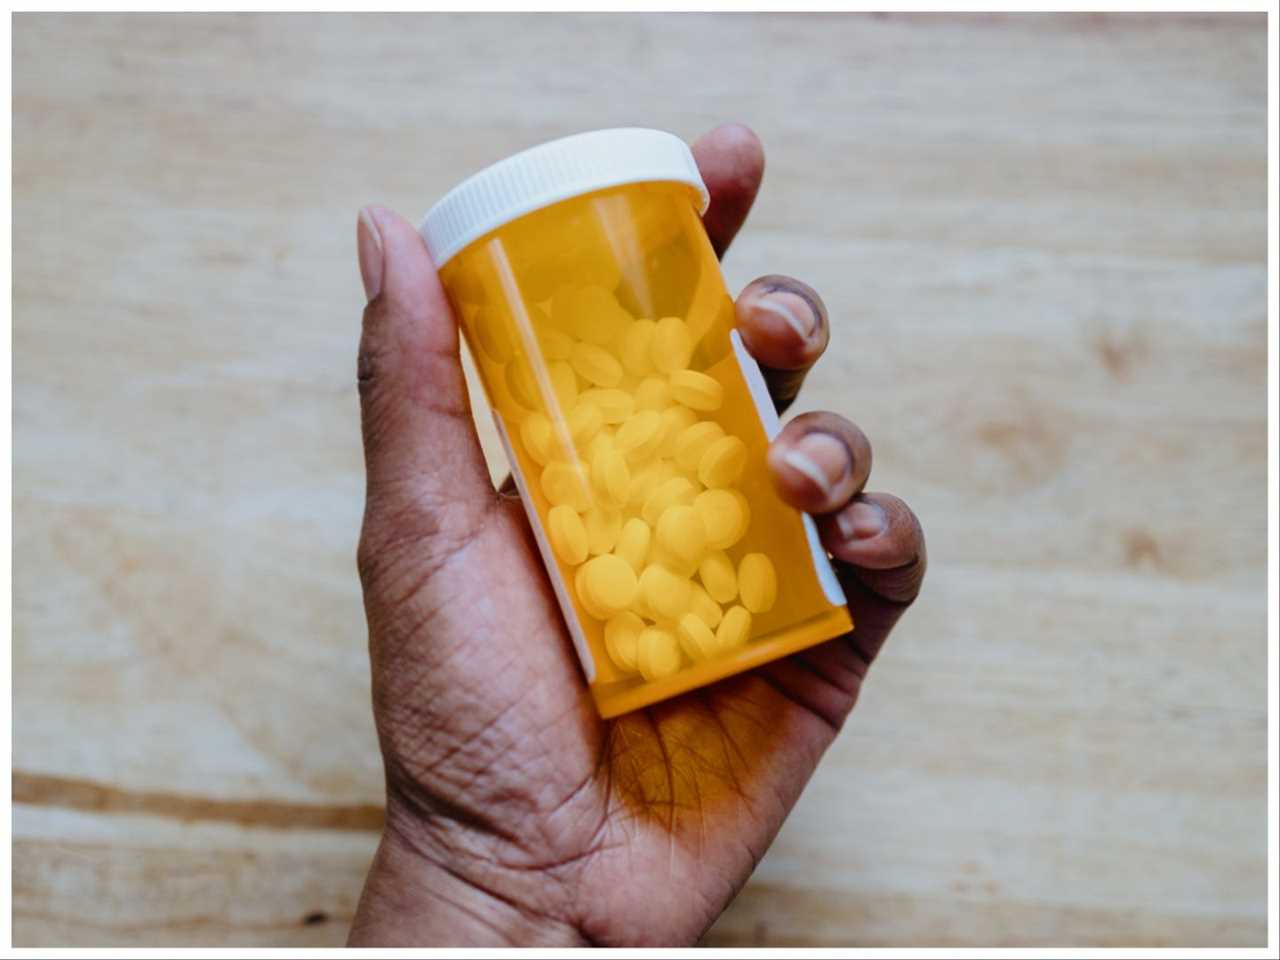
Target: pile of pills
column 644, row 508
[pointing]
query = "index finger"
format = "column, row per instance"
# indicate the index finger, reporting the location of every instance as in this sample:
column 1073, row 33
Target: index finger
column 731, row 161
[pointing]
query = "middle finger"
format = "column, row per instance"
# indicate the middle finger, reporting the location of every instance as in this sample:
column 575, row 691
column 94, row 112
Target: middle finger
column 783, row 324
column 819, row 462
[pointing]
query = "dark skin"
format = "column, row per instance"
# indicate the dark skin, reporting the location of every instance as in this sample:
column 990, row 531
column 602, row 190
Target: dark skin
column 515, row 815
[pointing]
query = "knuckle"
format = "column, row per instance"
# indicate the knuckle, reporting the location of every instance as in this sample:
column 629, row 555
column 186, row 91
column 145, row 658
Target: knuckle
column 407, row 538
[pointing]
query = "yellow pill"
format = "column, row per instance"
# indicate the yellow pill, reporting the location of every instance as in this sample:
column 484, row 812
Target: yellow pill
column 645, row 480
column 658, row 654
column 590, row 313
column 610, row 474
column 602, row 526
column 680, row 533
column 633, row 543
column 635, row 346
column 672, row 345
column 566, row 483
column 697, row 390
column 538, row 438
column 603, row 440
column 757, row 582
column 734, row 629
column 493, row 333
column 639, row 436
column 596, row 365
column 583, row 421
column 696, row 639
column 653, row 394
column 564, row 382
column 584, row 595
column 706, row 609
column 641, row 609
column 675, row 420
column 669, row 493
column 722, row 462
column 725, row 516
column 554, row 344
column 622, row 640
column 693, row 441
column 610, row 582
column 718, row 575
column 665, row 594
column 615, row 406
column 680, row 567
column 567, row 534
column 523, row 387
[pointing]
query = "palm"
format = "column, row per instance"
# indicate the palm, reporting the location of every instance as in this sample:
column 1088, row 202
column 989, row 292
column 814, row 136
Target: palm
column 651, row 819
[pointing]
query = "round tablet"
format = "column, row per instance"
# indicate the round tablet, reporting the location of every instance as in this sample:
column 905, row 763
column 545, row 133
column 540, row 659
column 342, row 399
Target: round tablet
column 658, row 654
column 725, row 516
column 583, row 422
column 554, row 344
column 719, row 577
column 610, row 474
column 645, row 480
column 734, row 629
column 653, row 394
column 537, row 437
column 693, row 441
column 702, row 606
column 638, row 437
column 666, row 594
column 696, row 390
column 567, row 534
column 596, row 365
column 566, row 483
column 757, row 583
column 564, row 382
column 603, row 440
column 675, row 420
column 696, row 639
column 610, row 582
column 633, row 543
column 584, row 595
column 680, row 532
column 672, row 345
column 635, row 346
column 622, row 640
column 722, row 462
column 614, row 405
column 667, row 494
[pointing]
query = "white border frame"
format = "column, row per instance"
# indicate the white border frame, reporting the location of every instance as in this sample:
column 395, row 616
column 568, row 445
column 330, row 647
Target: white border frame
column 1273, row 479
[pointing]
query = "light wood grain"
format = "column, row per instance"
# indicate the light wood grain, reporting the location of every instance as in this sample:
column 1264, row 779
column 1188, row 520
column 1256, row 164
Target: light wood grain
column 1042, row 241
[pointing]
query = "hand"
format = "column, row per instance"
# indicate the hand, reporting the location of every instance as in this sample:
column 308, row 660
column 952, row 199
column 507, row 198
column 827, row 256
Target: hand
column 514, row 814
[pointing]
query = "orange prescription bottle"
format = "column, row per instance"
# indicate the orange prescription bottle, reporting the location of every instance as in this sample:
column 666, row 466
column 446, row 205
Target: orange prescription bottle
column 635, row 422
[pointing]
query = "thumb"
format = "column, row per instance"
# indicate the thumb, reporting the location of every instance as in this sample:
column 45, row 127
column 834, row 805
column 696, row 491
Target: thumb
column 426, row 479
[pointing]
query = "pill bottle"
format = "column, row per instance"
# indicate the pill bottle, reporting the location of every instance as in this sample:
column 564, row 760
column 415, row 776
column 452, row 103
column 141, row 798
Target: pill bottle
column 635, row 422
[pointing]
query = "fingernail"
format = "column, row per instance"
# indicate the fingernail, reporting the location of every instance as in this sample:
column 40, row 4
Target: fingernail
column 861, row 520
column 791, row 309
column 369, row 249
column 822, row 458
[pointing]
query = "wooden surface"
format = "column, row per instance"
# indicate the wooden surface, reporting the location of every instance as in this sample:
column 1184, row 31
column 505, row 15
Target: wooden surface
column 1043, row 244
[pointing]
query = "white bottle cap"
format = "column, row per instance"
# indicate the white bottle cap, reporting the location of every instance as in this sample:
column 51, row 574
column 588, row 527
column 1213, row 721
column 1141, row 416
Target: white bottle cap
column 551, row 172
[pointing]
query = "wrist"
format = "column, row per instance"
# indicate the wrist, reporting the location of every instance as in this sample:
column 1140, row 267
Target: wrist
column 416, row 897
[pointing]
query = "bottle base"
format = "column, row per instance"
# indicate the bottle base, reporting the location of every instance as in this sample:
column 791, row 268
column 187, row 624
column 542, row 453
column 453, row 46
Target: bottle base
column 615, row 699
